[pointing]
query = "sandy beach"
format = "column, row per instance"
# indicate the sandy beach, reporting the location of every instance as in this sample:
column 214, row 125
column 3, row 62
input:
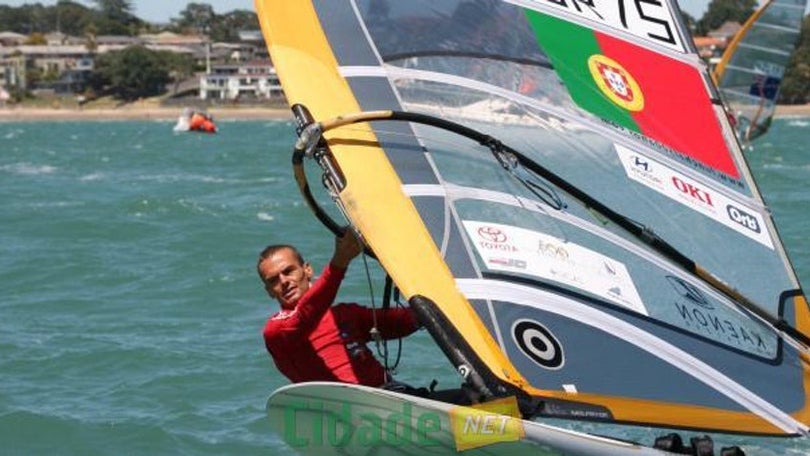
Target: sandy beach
column 793, row 110
column 147, row 112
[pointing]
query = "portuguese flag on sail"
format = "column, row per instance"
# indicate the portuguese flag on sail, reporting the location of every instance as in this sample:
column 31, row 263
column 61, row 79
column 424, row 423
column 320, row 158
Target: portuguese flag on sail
column 637, row 88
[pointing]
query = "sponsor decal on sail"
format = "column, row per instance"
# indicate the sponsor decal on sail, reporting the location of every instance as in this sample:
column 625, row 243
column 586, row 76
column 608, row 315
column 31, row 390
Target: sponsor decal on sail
column 518, row 250
column 678, row 187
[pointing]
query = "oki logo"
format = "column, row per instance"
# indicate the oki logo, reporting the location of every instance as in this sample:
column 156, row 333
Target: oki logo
column 743, row 218
column 693, row 191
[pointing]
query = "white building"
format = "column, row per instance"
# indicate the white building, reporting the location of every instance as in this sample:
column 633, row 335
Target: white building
column 246, row 81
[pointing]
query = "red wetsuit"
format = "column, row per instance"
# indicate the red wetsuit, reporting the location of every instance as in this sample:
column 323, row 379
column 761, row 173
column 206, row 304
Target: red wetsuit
column 316, row 342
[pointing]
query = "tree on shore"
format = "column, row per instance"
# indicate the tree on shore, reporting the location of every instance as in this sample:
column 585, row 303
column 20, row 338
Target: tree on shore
column 116, row 18
column 130, row 74
column 721, row 11
column 796, row 84
column 200, row 17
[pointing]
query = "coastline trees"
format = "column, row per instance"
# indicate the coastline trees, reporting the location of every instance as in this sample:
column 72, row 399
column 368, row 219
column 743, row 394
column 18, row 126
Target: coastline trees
column 137, row 72
column 721, row 11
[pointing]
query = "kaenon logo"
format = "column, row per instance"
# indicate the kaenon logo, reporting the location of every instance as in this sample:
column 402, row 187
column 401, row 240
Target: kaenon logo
column 538, row 343
column 689, row 291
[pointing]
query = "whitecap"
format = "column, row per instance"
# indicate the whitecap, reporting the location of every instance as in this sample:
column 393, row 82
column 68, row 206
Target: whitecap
column 169, row 178
column 13, row 134
column 92, row 177
column 57, row 204
column 265, row 217
column 28, row 168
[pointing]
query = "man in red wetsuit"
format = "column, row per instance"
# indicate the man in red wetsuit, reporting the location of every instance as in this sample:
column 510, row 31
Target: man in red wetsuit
column 311, row 340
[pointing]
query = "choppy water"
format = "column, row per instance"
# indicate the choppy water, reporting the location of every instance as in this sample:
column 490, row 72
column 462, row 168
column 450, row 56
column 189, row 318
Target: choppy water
column 130, row 313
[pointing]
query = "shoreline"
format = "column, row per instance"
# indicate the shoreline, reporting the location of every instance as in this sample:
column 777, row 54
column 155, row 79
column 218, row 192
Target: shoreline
column 130, row 112
column 26, row 114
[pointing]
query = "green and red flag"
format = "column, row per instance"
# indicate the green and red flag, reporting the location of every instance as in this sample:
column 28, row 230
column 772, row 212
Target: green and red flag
column 644, row 91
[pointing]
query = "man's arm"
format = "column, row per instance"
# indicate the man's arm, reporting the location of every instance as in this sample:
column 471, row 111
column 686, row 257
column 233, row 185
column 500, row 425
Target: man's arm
column 347, row 247
column 397, row 322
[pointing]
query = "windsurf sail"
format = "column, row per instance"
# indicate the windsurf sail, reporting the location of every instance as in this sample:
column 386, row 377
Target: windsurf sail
column 557, row 191
column 751, row 70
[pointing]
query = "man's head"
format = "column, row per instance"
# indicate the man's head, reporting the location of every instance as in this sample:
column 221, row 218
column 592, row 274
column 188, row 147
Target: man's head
column 285, row 274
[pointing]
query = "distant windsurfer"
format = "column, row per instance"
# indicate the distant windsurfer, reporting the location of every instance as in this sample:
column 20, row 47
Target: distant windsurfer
column 202, row 122
column 311, row 340
column 192, row 120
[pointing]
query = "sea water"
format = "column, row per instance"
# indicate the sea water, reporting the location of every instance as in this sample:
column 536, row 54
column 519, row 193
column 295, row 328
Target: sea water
column 130, row 310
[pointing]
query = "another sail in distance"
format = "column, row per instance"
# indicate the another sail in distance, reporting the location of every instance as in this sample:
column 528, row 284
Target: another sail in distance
column 600, row 245
column 751, row 70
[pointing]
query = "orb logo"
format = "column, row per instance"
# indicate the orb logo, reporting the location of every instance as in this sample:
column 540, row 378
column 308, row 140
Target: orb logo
column 538, row 343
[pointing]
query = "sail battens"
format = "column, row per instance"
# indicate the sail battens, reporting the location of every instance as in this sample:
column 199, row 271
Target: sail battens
column 751, row 71
column 364, row 71
column 776, row 26
column 743, row 94
column 502, row 291
column 764, row 49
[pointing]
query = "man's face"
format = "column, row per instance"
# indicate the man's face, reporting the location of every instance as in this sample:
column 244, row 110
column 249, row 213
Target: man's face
column 285, row 279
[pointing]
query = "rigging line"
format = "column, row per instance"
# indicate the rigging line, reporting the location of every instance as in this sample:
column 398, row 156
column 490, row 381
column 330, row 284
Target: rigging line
column 311, row 137
column 386, row 305
column 545, row 193
column 380, row 343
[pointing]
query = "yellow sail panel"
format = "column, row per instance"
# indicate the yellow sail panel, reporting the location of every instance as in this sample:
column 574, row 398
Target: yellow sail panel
column 373, row 196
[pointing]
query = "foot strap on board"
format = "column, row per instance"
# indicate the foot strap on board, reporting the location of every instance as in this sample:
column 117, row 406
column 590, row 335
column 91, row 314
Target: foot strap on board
column 699, row 446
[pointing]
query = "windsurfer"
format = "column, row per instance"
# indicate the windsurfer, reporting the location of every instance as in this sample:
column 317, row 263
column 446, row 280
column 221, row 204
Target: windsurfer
column 311, row 340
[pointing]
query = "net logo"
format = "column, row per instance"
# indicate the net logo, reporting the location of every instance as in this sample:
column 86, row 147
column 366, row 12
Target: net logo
column 487, row 423
column 743, row 218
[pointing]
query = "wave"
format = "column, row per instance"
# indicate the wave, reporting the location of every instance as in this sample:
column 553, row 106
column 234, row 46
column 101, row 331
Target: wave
column 799, row 123
column 28, row 169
